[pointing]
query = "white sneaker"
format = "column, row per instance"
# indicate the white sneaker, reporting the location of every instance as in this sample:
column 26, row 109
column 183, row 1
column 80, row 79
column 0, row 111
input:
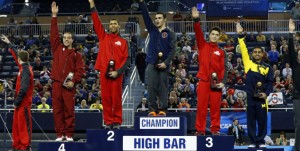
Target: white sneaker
column 262, row 146
column 69, row 139
column 251, row 146
column 60, row 139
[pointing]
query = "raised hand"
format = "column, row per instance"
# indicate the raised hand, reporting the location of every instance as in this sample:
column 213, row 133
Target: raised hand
column 239, row 28
column 92, row 3
column 5, row 39
column 195, row 12
column 291, row 25
column 54, row 9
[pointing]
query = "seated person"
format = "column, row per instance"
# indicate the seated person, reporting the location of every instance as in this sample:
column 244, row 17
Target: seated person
column 44, row 105
column 97, row 105
column 184, row 105
column 282, row 140
column 142, row 106
column 83, row 105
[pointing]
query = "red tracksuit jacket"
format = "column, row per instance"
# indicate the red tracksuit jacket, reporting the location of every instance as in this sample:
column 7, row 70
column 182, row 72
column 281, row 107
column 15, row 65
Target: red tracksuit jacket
column 211, row 58
column 72, row 62
column 112, row 47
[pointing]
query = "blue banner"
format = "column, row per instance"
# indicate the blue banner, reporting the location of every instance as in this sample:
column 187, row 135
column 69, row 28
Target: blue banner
column 228, row 117
column 233, row 8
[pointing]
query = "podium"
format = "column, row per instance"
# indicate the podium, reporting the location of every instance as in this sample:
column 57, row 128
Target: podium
column 151, row 134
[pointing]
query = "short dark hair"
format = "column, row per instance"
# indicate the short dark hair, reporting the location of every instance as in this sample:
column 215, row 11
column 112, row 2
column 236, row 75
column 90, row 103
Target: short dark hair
column 72, row 35
column 164, row 14
column 23, row 55
column 114, row 19
column 258, row 47
column 216, row 28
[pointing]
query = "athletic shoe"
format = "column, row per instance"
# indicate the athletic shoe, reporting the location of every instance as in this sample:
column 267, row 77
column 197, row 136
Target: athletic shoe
column 152, row 113
column 262, row 145
column 60, row 139
column 108, row 126
column 162, row 113
column 251, row 146
column 69, row 139
column 199, row 134
column 116, row 126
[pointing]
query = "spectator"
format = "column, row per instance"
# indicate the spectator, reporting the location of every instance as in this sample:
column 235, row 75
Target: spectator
column 91, row 98
column 278, row 84
column 134, row 6
column 38, row 67
column 185, row 37
column 140, row 62
column 295, row 12
column 239, row 65
column 45, row 74
column 224, row 105
column 181, row 71
column 281, row 140
column 229, row 47
column 188, row 89
column 43, row 107
column 186, row 48
column 184, row 105
column 251, row 37
column 143, row 106
column 223, row 37
column 286, row 71
column 30, row 41
column 172, row 104
column 237, row 131
column 90, row 40
column 83, row 106
column 97, row 105
column 260, row 37
column 273, row 55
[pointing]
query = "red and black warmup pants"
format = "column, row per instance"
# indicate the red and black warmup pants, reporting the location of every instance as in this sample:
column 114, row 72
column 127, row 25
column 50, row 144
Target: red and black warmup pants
column 63, row 109
column 111, row 90
column 205, row 97
column 22, row 128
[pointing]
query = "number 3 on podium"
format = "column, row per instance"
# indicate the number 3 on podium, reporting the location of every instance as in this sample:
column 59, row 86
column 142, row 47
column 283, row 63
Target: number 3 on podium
column 209, row 143
column 110, row 136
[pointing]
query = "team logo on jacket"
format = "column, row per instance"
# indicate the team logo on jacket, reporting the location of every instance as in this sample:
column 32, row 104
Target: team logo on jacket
column 217, row 53
column 118, row 43
column 164, row 35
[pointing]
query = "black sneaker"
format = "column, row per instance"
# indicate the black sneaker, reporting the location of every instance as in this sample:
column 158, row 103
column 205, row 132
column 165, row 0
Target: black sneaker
column 108, row 127
column 116, row 126
column 199, row 134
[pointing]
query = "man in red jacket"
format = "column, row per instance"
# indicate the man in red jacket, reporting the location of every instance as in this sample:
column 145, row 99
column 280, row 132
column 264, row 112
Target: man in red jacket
column 212, row 76
column 67, row 70
column 112, row 61
column 22, row 125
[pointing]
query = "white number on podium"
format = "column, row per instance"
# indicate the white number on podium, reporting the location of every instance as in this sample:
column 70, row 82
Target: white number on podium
column 61, row 147
column 209, row 143
column 111, row 135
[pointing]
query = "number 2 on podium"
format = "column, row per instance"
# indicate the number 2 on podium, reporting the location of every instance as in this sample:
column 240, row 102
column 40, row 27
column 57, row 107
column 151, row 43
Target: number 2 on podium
column 111, row 135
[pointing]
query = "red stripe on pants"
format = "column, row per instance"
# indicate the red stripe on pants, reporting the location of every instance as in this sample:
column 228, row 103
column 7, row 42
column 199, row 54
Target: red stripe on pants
column 205, row 97
column 22, row 128
column 111, row 91
column 63, row 110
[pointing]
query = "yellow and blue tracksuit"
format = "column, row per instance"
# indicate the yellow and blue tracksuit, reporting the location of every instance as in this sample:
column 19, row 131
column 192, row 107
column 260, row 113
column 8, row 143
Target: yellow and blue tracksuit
column 256, row 107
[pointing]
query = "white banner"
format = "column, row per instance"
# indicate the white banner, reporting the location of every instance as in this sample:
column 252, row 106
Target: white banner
column 155, row 143
column 275, row 98
column 159, row 123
